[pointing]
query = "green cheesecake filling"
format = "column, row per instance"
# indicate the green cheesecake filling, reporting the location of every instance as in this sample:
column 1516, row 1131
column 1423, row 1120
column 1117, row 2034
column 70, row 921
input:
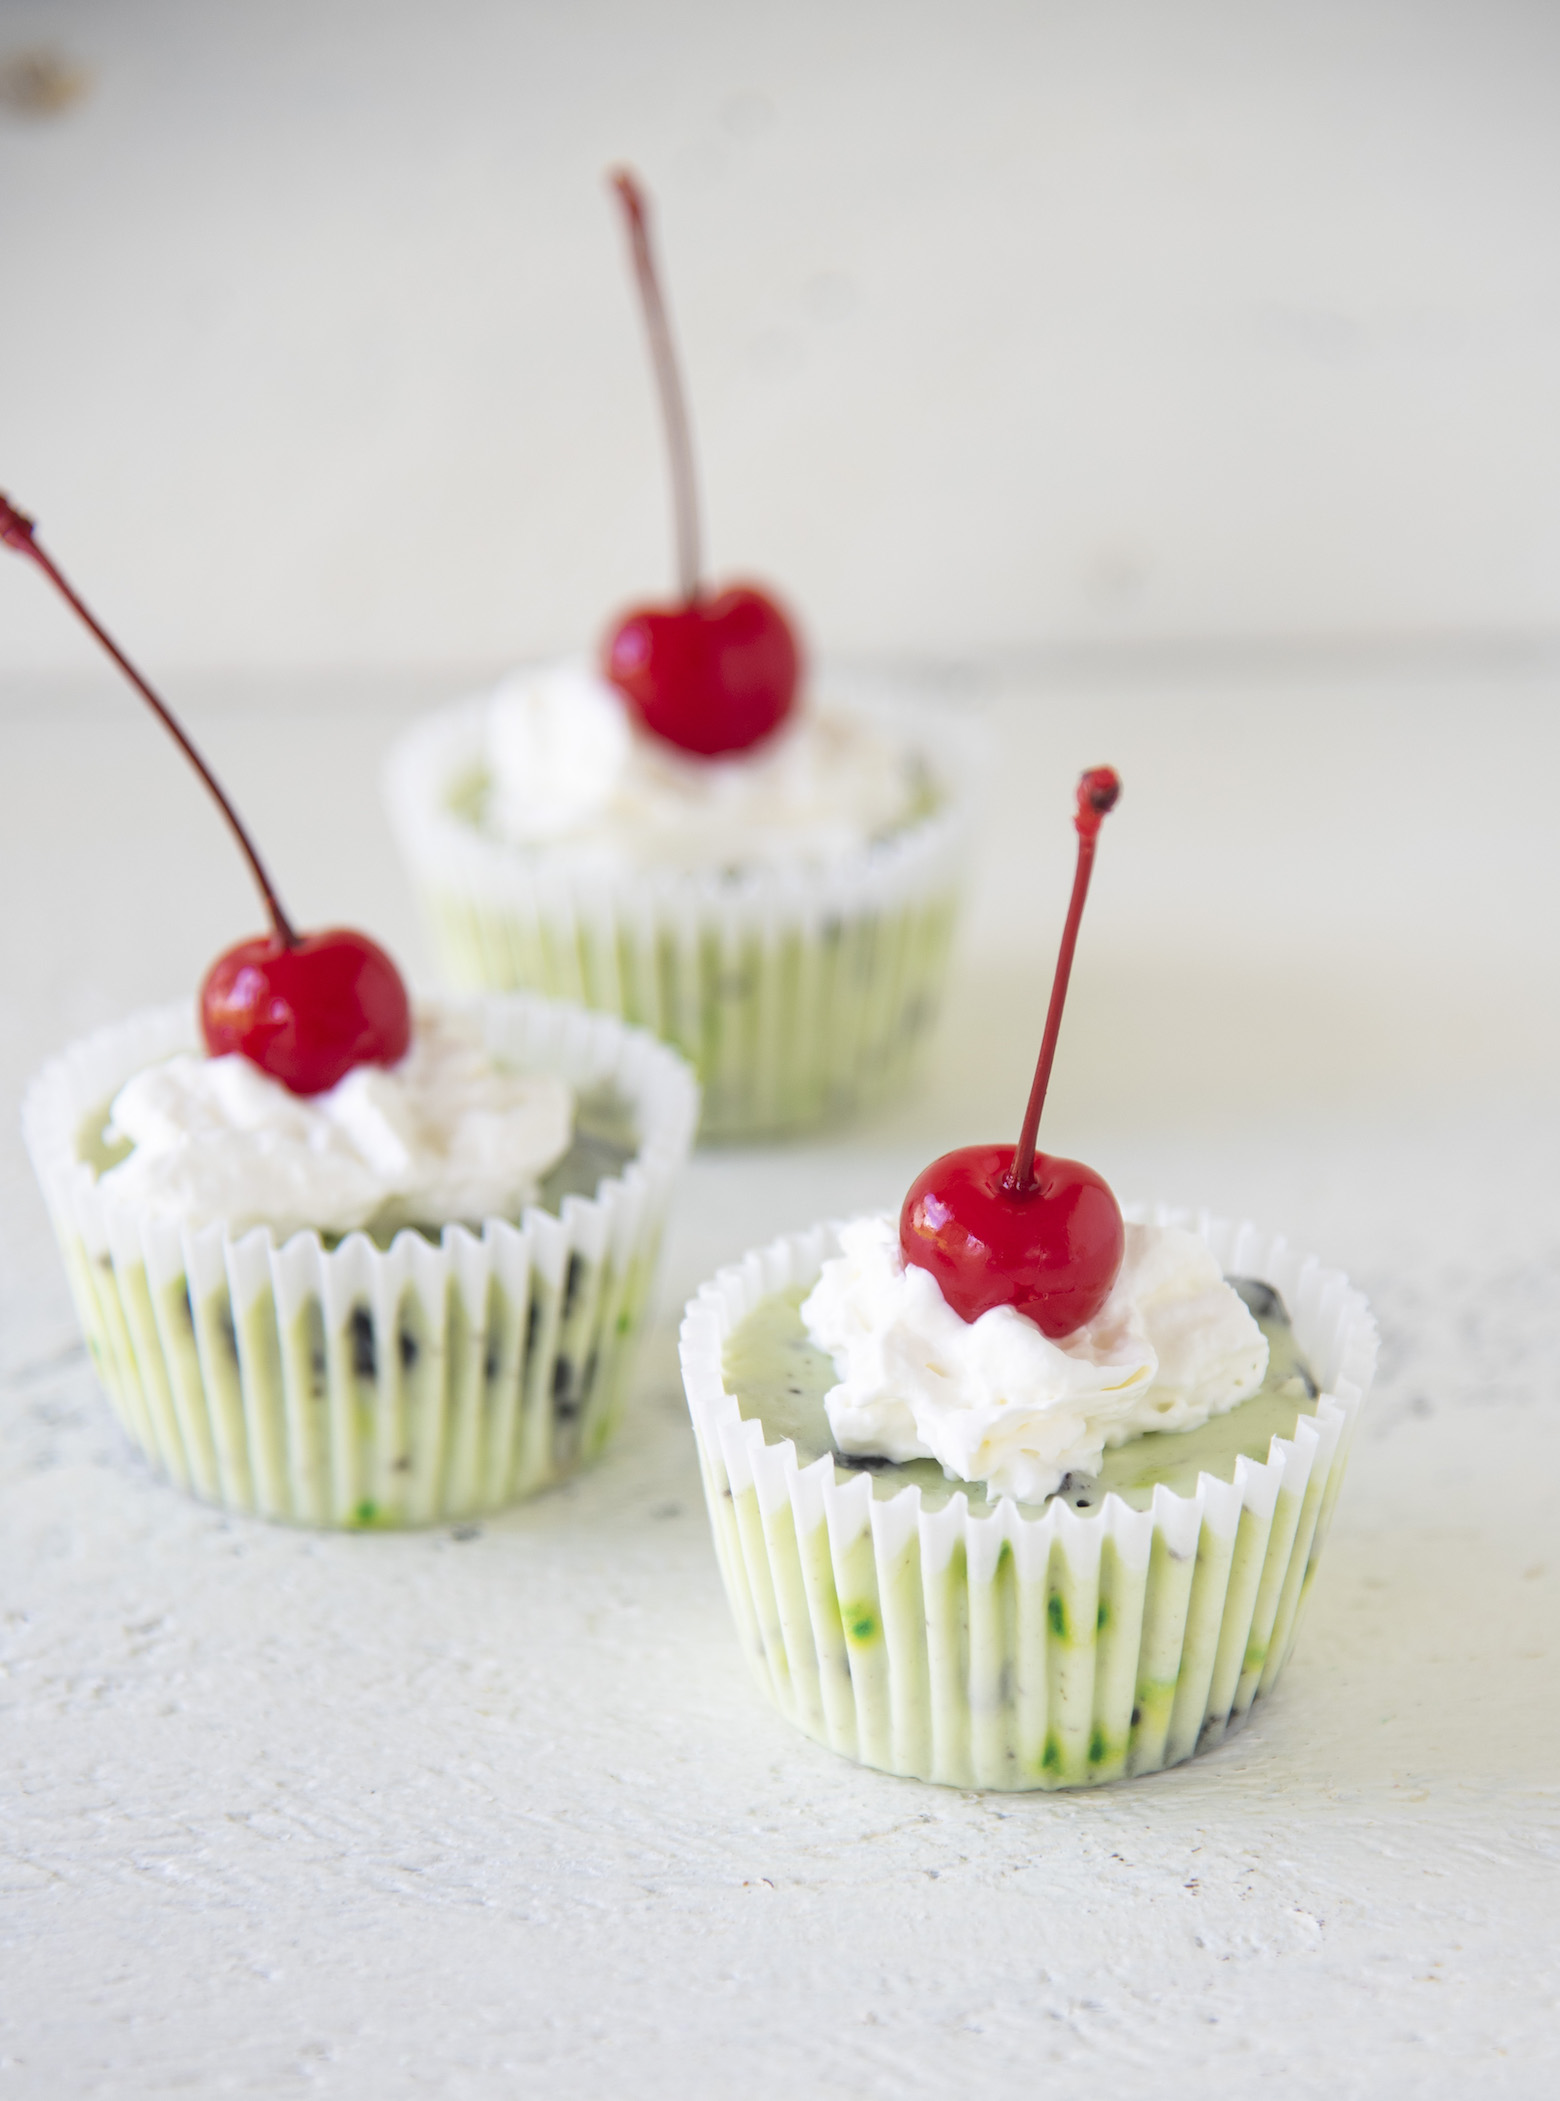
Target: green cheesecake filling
column 605, row 1139
column 780, row 1377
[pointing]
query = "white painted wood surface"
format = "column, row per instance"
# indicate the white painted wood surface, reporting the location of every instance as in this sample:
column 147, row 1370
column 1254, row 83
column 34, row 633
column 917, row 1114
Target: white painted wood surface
column 478, row 1814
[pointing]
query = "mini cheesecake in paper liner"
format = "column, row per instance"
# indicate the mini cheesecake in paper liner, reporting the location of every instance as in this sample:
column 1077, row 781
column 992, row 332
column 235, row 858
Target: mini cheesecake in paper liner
column 356, row 1384
column 799, row 994
column 1005, row 1648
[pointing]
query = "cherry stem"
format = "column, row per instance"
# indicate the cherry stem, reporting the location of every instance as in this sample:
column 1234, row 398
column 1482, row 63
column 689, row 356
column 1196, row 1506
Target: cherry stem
column 17, row 531
column 674, row 407
column 1097, row 793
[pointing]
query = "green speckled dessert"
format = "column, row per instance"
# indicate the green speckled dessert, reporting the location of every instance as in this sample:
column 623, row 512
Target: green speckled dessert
column 780, row 1377
column 801, row 991
column 375, row 1377
column 341, row 1259
column 920, row 1625
column 684, row 833
column 1016, row 1489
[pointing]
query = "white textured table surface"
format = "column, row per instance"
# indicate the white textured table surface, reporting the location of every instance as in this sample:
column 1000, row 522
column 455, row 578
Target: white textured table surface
column 496, row 1810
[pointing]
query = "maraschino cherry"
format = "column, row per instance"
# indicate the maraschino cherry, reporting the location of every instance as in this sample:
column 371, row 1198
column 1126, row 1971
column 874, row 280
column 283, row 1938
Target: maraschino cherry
column 713, row 674
column 305, row 1008
column 999, row 1225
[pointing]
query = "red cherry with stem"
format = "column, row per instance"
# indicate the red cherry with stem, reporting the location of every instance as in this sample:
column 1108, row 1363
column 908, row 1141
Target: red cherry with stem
column 1052, row 1254
column 706, row 677
column 305, row 1008
column 309, row 1013
column 1001, row 1225
column 712, row 674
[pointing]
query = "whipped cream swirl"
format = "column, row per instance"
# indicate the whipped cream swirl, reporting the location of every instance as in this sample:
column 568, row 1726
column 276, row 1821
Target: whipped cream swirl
column 997, row 1401
column 569, row 769
column 448, row 1135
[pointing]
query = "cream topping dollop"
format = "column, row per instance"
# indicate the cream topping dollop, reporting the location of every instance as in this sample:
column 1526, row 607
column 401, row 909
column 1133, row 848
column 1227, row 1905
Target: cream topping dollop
column 996, row 1400
column 569, row 768
column 448, row 1135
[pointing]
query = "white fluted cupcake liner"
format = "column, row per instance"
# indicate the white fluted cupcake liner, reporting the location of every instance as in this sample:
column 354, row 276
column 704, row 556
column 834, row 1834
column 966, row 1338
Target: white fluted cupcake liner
column 800, row 996
column 359, row 1385
column 1005, row 1650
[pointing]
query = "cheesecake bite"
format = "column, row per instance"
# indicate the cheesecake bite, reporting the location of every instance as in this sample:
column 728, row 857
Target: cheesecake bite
column 344, row 1259
column 1018, row 1489
column 691, row 831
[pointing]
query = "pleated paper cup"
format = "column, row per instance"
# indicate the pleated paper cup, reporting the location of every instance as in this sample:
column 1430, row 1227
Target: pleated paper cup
column 354, row 1384
column 1007, row 1649
column 800, row 995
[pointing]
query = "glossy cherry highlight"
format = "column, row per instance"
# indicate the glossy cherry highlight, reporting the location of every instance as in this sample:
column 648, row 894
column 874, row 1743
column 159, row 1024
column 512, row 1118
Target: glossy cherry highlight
column 1051, row 1253
column 714, row 673
column 708, row 676
column 1001, row 1225
column 304, row 1008
column 308, row 1012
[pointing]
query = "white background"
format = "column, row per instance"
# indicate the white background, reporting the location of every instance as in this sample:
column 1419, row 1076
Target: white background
column 1168, row 384
column 1009, row 323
